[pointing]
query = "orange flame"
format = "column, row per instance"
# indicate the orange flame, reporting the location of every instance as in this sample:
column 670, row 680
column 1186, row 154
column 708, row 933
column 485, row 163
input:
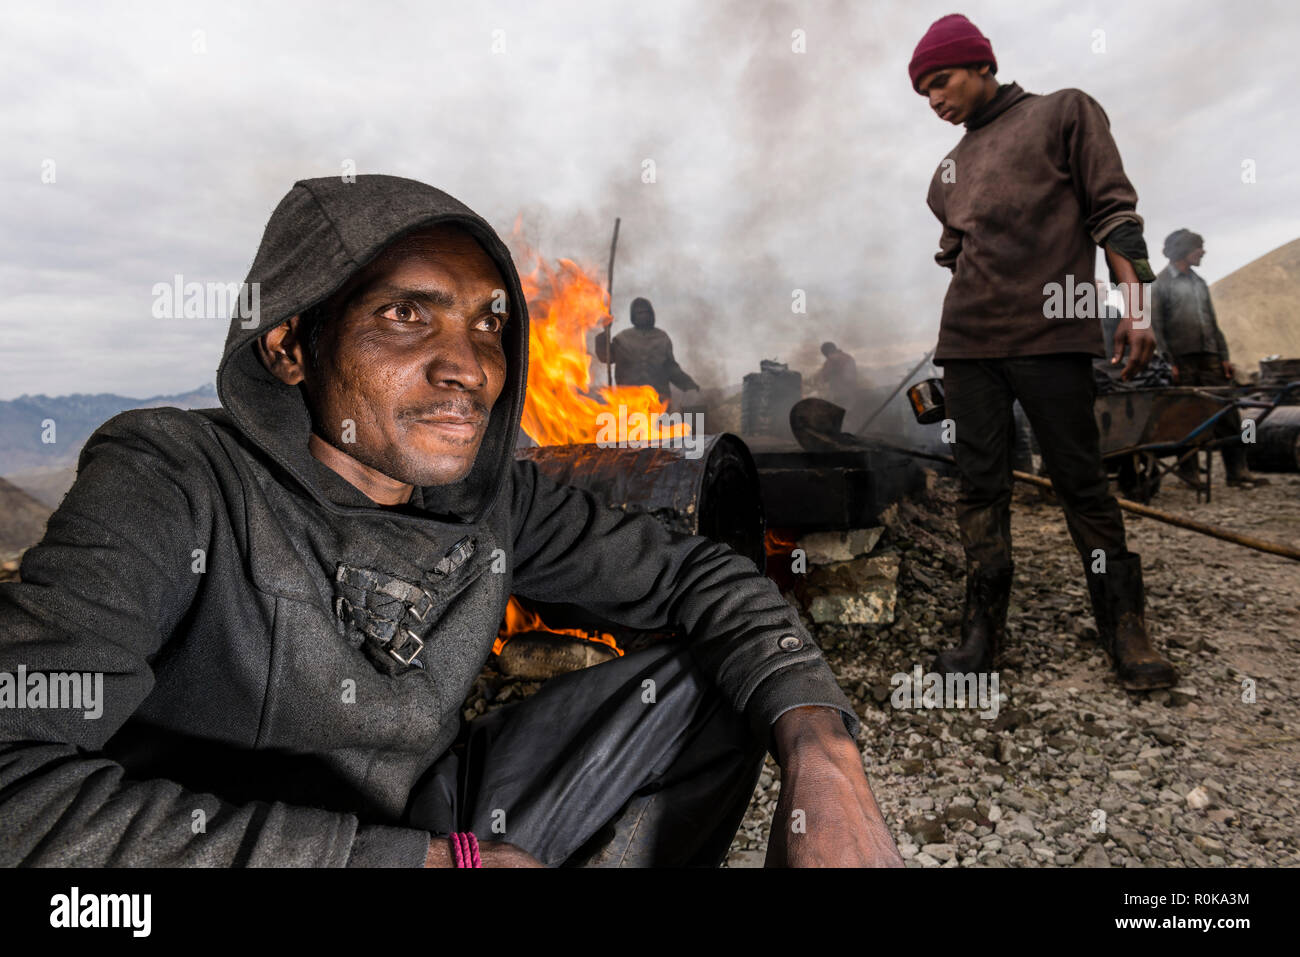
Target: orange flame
column 779, row 541
column 519, row 619
column 565, row 304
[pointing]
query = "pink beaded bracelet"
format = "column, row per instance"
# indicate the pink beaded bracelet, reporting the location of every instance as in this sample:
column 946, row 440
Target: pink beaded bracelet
column 464, row 848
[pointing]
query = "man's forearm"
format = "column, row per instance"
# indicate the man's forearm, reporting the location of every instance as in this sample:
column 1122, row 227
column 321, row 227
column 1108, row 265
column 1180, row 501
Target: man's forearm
column 1133, row 289
column 60, row 806
column 815, row 724
column 826, row 815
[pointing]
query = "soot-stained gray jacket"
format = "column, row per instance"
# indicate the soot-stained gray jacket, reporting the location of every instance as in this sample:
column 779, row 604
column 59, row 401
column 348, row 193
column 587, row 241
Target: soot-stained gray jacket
column 240, row 600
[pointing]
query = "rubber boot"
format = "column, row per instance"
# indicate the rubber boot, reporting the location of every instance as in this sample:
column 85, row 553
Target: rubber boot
column 1118, row 603
column 1190, row 472
column 983, row 623
column 1234, row 464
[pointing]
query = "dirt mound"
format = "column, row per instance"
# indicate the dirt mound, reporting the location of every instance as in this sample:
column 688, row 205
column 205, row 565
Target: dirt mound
column 22, row 519
column 1259, row 307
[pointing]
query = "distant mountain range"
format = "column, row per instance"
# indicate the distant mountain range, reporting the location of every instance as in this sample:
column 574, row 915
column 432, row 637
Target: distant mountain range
column 75, row 418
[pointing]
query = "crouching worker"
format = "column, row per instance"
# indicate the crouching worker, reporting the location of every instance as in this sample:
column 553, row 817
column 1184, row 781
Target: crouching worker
column 288, row 598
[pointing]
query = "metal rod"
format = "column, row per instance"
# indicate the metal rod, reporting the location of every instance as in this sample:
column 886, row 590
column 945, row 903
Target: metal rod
column 609, row 287
column 1258, row 544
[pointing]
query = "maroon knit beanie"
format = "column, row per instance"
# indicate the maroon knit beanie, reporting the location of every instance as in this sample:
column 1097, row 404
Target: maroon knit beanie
column 951, row 41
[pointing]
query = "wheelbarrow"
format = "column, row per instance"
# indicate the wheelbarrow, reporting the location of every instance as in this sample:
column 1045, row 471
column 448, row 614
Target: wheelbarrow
column 1147, row 434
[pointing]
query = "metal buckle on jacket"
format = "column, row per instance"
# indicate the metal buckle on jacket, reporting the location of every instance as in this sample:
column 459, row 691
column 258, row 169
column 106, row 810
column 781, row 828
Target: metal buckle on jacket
column 419, row 646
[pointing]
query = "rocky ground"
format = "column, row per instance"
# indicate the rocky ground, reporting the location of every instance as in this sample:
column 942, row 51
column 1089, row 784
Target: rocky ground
column 1075, row 771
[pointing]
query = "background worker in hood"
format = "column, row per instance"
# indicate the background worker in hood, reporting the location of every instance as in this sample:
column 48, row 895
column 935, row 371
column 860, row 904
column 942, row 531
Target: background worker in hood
column 643, row 355
column 1025, row 197
column 289, row 598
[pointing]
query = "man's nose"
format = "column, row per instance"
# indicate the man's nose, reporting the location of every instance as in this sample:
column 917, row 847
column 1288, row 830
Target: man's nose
column 455, row 362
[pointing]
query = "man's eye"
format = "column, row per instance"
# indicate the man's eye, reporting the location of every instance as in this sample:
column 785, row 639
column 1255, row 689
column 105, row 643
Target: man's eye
column 401, row 312
column 493, row 323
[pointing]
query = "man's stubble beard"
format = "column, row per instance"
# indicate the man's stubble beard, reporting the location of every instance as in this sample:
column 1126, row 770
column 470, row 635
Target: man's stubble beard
column 400, row 465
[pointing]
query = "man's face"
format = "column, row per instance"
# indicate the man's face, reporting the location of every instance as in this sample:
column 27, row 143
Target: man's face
column 642, row 318
column 1195, row 256
column 415, row 359
column 956, row 92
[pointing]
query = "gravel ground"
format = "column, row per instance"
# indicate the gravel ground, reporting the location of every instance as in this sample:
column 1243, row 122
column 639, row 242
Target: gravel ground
column 1075, row 770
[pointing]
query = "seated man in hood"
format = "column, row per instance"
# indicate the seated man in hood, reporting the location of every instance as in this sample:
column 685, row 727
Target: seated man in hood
column 287, row 599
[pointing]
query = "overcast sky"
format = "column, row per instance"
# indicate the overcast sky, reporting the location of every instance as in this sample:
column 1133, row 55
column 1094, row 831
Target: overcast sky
column 174, row 129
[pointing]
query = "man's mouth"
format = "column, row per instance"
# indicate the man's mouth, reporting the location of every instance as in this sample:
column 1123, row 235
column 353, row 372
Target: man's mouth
column 947, row 114
column 457, row 426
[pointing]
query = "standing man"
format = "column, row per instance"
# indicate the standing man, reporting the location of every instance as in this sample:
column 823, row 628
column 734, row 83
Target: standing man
column 1183, row 319
column 643, row 355
column 1025, row 198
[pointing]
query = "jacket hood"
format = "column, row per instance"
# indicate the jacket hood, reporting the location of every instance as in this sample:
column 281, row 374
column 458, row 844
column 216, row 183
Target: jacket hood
column 642, row 313
column 320, row 234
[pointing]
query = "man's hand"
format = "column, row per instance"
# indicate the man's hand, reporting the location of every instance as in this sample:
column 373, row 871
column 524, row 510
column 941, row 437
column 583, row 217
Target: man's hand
column 1228, row 369
column 1173, row 371
column 492, row 854
column 826, row 815
column 1141, row 345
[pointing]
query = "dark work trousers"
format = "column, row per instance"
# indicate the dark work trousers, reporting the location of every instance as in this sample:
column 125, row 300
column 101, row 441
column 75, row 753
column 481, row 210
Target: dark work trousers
column 635, row 762
column 1023, row 444
column 1206, row 368
column 1057, row 394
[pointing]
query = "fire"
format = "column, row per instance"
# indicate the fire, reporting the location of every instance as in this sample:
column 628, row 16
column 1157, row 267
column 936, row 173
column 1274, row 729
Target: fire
column 565, row 304
column 779, row 541
column 518, row 619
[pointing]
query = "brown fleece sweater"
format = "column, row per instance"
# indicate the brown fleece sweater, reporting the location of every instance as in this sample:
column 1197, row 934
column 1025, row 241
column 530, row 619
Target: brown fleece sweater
column 1025, row 197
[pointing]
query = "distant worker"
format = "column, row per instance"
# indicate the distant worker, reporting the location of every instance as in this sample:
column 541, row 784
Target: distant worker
column 838, row 376
column 643, row 355
column 1187, row 330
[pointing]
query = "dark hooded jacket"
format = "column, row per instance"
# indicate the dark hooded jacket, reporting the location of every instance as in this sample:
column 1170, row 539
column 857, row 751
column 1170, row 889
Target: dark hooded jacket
column 241, row 601
column 643, row 355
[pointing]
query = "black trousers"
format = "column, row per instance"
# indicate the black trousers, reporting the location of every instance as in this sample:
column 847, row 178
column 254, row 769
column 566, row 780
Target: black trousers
column 1057, row 394
column 636, row 762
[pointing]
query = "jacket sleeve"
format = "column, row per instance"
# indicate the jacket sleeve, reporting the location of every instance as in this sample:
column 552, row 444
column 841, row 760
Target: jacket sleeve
column 1106, row 196
column 950, row 238
column 102, row 593
column 676, row 374
column 1218, row 330
column 631, row 570
column 603, row 350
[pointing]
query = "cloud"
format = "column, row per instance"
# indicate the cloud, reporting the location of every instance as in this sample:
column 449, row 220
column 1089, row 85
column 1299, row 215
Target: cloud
column 776, row 170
